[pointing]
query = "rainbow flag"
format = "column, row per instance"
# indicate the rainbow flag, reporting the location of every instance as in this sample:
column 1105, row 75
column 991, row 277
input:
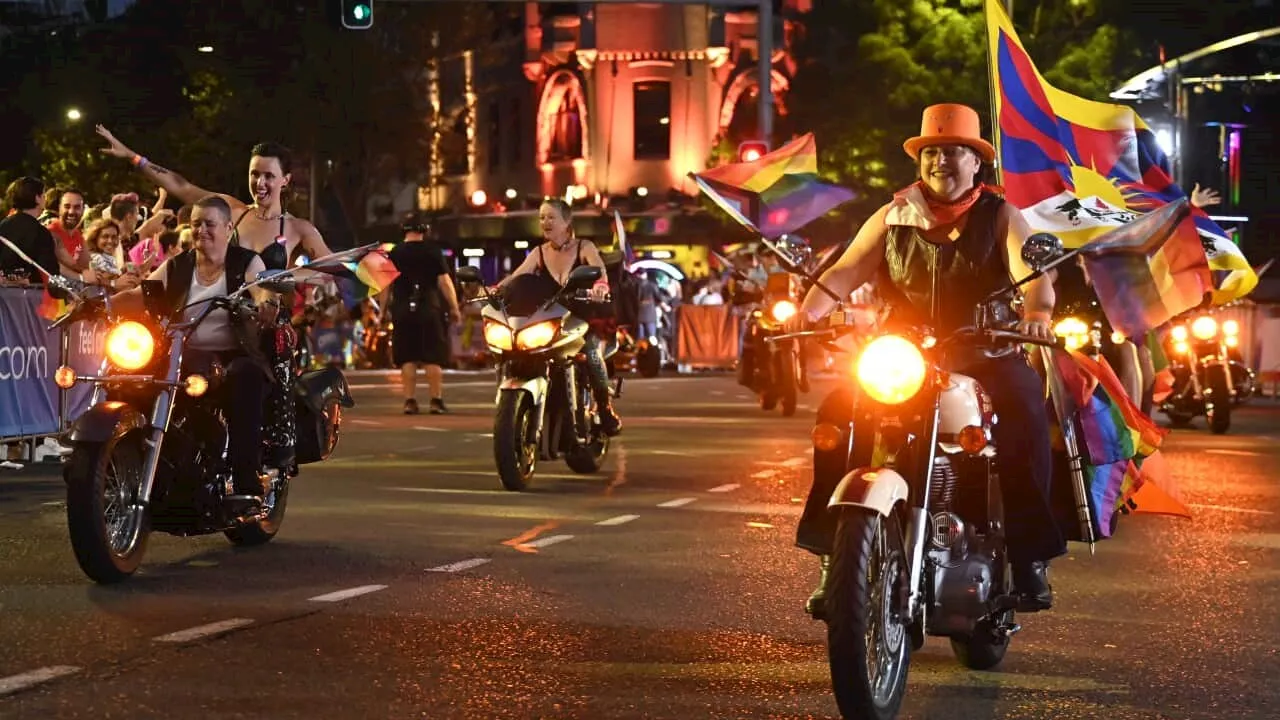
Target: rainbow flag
column 1077, row 168
column 51, row 308
column 368, row 264
column 1119, row 444
column 776, row 194
column 1147, row 272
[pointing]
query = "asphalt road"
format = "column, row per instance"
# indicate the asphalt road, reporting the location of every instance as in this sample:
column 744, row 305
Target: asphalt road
column 406, row 583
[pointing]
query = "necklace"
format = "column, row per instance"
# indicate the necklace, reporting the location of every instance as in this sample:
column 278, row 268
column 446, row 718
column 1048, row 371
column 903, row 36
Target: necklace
column 561, row 247
column 258, row 214
column 205, row 277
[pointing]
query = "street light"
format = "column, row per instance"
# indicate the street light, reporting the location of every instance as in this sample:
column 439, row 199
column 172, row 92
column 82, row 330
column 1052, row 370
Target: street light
column 511, row 193
column 479, row 198
column 73, row 114
column 205, row 49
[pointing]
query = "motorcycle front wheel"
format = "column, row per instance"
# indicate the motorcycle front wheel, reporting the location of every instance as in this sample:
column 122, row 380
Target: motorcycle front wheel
column 515, row 442
column 868, row 646
column 1219, row 414
column 108, row 530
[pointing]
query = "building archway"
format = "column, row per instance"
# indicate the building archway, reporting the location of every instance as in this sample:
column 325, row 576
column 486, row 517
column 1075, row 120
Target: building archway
column 745, row 86
column 562, row 119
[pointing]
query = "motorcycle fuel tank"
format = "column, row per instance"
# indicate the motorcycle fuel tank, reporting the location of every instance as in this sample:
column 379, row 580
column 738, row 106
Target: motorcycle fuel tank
column 959, row 405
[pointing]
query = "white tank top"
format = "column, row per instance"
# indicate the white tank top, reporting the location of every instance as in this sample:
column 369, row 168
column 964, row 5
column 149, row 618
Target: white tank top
column 215, row 333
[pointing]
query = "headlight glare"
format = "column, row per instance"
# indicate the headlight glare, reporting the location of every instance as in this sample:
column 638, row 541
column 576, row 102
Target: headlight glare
column 891, row 370
column 130, row 345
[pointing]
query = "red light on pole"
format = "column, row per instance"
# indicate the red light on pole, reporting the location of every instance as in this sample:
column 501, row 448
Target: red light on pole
column 752, row 151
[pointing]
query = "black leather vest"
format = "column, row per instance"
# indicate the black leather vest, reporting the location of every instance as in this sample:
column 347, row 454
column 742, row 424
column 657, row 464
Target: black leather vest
column 182, row 271
column 969, row 269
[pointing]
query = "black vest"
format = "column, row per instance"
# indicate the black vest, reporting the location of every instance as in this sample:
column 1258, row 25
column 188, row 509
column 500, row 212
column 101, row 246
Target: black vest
column 969, row 269
column 182, row 271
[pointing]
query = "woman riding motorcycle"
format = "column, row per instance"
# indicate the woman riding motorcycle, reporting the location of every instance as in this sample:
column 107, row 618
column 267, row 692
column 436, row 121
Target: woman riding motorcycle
column 550, row 264
column 961, row 229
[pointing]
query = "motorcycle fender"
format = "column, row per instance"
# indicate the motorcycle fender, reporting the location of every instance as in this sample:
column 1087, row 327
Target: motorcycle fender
column 106, row 420
column 536, row 387
column 318, row 386
column 877, row 489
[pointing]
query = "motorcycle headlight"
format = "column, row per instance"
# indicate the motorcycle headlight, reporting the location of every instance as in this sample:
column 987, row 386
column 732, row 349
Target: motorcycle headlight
column 130, row 345
column 497, row 335
column 891, row 370
column 1230, row 327
column 537, row 335
column 1204, row 328
column 1179, row 333
column 783, row 310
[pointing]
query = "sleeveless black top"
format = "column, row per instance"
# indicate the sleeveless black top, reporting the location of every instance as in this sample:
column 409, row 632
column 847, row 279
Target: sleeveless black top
column 274, row 256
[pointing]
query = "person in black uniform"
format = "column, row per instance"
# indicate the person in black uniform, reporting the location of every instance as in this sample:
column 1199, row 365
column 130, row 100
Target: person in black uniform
column 421, row 296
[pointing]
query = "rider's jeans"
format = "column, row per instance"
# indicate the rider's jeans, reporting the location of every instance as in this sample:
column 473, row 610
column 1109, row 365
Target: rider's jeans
column 244, row 385
column 1025, row 462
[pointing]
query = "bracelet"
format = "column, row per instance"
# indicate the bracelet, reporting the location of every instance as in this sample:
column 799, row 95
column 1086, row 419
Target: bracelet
column 140, row 162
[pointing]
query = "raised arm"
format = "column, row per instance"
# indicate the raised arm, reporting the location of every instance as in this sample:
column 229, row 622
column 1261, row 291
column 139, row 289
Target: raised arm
column 857, row 265
column 171, row 181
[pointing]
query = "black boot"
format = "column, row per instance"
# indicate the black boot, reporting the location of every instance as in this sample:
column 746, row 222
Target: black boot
column 610, row 423
column 1031, row 581
column 250, row 489
column 816, row 605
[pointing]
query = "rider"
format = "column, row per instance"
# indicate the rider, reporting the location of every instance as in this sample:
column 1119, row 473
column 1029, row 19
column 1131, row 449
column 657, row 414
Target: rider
column 215, row 268
column 551, row 262
column 973, row 238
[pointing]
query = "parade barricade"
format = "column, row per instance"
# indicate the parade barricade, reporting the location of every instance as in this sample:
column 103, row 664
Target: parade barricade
column 31, row 405
column 706, row 336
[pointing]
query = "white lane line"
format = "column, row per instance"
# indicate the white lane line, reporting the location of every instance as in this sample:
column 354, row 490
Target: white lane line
column 619, row 520
column 340, row 595
column 795, row 462
column 678, row 502
column 428, row 428
column 358, row 421
column 764, row 474
column 459, row 566
column 14, row 683
column 677, row 453
column 1242, row 453
column 450, row 491
column 1228, row 508
column 204, row 631
column 727, row 487
column 543, row 542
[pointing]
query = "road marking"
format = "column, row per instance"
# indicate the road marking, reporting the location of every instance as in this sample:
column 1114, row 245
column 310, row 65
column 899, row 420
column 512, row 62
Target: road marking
column 619, row 520
column 204, row 631
column 671, row 452
column 459, row 566
column 795, row 462
column 339, row 595
column 764, row 474
column 727, row 487
column 15, row 683
column 549, row 540
column 1228, row 508
column 358, row 421
column 428, row 428
column 1243, row 453
column 678, row 502
column 450, row 491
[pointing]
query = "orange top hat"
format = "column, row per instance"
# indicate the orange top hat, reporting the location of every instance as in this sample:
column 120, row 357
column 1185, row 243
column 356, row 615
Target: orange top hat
column 950, row 124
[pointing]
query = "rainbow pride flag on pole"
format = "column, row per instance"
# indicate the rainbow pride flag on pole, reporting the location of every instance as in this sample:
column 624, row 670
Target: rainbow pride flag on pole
column 369, row 264
column 1148, row 272
column 1077, row 168
column 776, row 194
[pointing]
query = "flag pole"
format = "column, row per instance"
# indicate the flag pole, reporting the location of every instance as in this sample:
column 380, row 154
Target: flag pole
column 993, row 91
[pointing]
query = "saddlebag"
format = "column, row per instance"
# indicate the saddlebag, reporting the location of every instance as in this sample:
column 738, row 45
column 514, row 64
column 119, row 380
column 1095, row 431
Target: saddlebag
column 319, row 396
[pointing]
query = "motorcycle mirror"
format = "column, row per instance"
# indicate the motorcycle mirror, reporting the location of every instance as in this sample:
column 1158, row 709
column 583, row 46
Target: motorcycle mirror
column 469, row 273
column 1041, row 249
column 269, row 281
column 583, row 277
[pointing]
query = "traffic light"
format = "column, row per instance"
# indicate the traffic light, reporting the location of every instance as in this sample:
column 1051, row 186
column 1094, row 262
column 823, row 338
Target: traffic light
column 357, row 14
column 752, row 150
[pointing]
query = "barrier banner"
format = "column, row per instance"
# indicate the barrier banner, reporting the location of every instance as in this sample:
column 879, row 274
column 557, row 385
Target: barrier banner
column 707, row 336
column 85, row 346
column 28, row 356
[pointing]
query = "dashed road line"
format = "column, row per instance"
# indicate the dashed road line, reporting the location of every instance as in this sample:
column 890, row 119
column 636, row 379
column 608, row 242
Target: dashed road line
column 727, row 487
column 428, row 428
column 339, row 595
column 459, row 566
column 204, row 631
column 619, row 520
column 764, row 474
column 1228, row 508
column 1241, row 453
column 678, row 502
column 16, row 683
column 372, row 423
column 549, row 540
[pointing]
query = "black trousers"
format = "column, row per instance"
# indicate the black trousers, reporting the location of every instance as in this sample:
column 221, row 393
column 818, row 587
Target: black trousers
column 597, row 373
column 1024, row 459
column 241, row 397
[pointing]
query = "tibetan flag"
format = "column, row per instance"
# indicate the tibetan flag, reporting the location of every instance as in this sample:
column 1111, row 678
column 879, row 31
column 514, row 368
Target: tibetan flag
column 1077, row 168
column 1148, row 271
column 776, row 194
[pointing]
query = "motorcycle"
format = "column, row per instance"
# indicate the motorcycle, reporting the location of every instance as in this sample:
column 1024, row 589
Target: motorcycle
column 1206, row 379
column 150, row 453
column 920, row 542
column 636, row 355
column 545, row 409
column 774, row 371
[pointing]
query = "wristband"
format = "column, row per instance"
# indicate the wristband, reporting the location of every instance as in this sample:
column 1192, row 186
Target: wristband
column 140, row 162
